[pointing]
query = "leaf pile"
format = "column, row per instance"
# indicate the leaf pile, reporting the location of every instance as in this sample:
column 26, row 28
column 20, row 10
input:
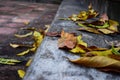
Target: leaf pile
column 37, row 36
column 91, row 21
column 91, row 56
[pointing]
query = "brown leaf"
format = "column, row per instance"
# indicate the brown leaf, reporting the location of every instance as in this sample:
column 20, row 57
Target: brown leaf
column 99, row 62
column 67, row 40
column 104, row 17
column 53, row 34
column 89, row 30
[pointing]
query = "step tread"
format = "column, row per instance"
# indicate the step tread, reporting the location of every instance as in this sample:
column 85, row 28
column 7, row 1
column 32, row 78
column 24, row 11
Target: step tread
column 50, row 62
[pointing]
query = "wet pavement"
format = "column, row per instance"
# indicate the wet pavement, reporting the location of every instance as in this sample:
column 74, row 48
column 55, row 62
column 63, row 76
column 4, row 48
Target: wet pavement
column 13, row 16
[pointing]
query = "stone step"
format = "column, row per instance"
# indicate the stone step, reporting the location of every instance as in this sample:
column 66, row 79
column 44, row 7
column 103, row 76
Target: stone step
column 50, row 63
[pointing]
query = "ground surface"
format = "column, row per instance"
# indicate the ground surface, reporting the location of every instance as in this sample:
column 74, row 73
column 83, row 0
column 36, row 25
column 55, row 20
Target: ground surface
column 13, row 16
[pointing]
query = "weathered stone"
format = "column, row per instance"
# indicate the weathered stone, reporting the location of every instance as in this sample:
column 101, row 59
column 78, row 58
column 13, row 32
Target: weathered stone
column 50, row 62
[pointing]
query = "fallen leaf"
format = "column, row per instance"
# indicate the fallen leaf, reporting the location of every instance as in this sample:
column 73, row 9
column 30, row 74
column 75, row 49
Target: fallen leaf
column 38, row 37
column 21, row 73
column 102, row 53
column 98, row 62
column 28, row 62
column 115, row 51
column 48, row 27
column 53, row 34
column 67, row 40
column 78, row 49
column 105, row 25
column 89, row 29
column 8, row 61
column 113, row 25
column 23, row 53
column 22, row 36
column 106, row 31
column 104, row 17
column 14, row 45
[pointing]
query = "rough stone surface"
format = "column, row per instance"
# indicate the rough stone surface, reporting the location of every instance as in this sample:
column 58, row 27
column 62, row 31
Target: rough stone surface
column 50, row 63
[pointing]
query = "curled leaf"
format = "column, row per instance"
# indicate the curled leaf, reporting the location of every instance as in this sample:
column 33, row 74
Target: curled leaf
column 98, row 62
column 14, row 45
column 22, row 36
column 21, row 73
column 23, row 53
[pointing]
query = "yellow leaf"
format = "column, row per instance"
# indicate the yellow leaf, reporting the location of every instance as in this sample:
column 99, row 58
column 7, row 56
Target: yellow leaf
column 113, row 25
column 48, row 27
column 106, row 31
column 22, row 36
column 80, row 41
column 102, row 53
column 78, row 49
column 29, row 62
column 23, row 53
column 98, row 62
column 26, row 23
column 89, row 29
column 21, row 73
column 14, row 45
column 38, row 37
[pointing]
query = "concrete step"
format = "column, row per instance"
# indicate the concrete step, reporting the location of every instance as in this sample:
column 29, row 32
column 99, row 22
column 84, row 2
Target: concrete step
column 50, row 63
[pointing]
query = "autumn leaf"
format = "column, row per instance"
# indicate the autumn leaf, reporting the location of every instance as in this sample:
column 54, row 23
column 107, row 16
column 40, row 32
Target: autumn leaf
column 74, row 17
column 22, row 36
column 67, row 40
column 28, row 62
column 101, row 53
column 98, row 62
column 105, row 25
column 23, row 53
column 53, row 34
column 89, row 29
column 115, row 51
column 78, row 49
column 106, row 31
column 21, row 73
column 14, row 45
column 19, row 45
column 113, row 25
column 8, row 61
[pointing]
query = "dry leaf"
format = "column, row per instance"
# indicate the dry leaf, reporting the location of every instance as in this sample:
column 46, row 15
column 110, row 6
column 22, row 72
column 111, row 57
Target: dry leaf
column 67, row 40
column 9, row 61
column 106, row 31
column 21, row 73
column 22, row 36
column 23, row 53
column 29, row 62
column 14, row 45
column 53, row 34
column 98, row 62
column 89, row 29
column 78, row 49
column 113, row 25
